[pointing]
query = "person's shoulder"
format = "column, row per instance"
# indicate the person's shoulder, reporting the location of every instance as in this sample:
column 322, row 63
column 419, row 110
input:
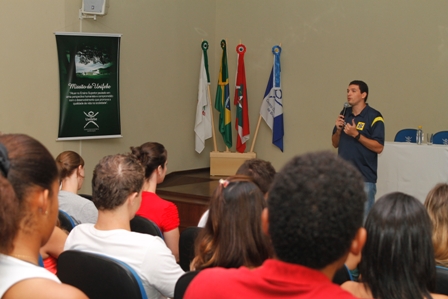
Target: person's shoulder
column 438, row 296
column 146, row 240
column 356, row 289
column 214, row 281
column 43, row 288
column 373, row 111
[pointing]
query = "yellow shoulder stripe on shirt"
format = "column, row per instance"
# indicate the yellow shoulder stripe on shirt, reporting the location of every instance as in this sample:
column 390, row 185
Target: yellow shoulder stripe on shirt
column 379, row 118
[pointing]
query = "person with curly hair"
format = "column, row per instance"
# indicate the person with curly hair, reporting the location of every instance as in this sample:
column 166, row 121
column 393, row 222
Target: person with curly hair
column 314, row 218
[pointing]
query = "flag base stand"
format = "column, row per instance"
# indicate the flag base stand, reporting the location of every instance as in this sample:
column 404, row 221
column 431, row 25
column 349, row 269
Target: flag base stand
column 227, row 163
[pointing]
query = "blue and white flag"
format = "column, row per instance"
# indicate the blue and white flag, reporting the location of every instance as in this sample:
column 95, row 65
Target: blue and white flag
column 272, row 106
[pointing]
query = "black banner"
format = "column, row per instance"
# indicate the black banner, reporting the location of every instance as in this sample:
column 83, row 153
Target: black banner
column 89, row 85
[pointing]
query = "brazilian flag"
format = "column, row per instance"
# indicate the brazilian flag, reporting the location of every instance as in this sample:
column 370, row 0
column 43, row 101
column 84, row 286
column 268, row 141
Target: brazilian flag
column 222, row 99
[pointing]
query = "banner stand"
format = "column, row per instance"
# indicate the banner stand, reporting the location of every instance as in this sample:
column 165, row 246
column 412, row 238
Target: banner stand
column 227, row 163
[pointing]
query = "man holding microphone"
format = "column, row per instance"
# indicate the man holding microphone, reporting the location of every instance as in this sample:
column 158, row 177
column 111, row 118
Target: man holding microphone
column 359, row 136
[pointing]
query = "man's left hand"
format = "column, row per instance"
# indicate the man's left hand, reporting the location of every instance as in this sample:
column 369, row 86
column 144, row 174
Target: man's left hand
column 350, row 129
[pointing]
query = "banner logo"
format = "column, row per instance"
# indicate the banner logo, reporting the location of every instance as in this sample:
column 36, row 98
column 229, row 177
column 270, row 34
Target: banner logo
column 91, row 119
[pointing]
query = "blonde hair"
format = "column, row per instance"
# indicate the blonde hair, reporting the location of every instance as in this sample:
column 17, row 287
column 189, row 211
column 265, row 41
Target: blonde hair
column 436, row 204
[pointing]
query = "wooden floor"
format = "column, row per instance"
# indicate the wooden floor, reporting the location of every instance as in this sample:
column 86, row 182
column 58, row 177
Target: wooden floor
column 191, row 191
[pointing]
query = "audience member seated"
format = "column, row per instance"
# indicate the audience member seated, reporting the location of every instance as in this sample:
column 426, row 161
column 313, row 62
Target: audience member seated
column 71, row 174
column 53, row 248
column 260, row 171
column 398, row 259
column 28, row 213
column 153, row 157
column 436, row 204
column 117, row 183
column 314, row 217
column 232, row 236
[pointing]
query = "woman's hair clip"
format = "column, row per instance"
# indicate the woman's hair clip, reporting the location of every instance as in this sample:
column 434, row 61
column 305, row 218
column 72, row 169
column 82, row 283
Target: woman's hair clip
column 224, row 183
column 4, row 161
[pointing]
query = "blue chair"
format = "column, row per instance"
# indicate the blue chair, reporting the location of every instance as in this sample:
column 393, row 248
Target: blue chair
column 66, row 221
column 143, row 225
column 441, row 280
column 182, row 284
column 99, row 276
column 440, row 138
column 406, row 135
column 186, row 246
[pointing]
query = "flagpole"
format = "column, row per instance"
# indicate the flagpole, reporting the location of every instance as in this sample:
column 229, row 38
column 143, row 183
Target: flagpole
column 255, row 135
column 227, row 149
column 215, row 148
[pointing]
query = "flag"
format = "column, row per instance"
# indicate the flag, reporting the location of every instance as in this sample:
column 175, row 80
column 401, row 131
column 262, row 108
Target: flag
column 242, row 112
column 222, row 99
column 272, row 105
column 203, row 124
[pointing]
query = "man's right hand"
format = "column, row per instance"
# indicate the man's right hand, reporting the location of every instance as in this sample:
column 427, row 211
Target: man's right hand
column 340, row 123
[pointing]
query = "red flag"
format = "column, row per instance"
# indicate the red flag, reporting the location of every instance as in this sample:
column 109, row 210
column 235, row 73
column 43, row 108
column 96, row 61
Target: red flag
column 242, row 112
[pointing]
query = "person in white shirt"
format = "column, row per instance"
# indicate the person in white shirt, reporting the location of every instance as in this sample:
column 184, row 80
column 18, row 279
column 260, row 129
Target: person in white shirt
column 28, row 213
column 116, row 184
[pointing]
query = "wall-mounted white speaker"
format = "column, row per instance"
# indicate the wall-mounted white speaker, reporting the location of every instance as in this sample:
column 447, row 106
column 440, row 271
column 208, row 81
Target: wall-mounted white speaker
column 93, row 7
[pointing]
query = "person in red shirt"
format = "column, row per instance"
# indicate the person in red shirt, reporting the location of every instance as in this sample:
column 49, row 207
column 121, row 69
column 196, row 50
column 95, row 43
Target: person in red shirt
column 154, row 158
column 314, row 219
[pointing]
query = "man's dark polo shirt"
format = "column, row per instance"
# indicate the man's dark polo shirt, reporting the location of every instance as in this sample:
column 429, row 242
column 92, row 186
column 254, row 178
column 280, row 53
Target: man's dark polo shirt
column 370, row 124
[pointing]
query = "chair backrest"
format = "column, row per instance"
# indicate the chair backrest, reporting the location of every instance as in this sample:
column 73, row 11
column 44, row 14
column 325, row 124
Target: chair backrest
column 186, row 246
column 145, row 226
column 441, row 280
column 182, row 284
column 99, row 276
column 67, row 222
column 440, row 138
column 342, row 275
column 406, row 135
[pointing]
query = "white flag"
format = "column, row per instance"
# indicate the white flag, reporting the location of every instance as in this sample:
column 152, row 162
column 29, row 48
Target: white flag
column 203, row 125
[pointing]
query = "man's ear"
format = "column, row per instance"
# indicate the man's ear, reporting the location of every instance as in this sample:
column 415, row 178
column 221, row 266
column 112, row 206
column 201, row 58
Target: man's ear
column 133, row 197
column 265, row 221
column 358, row 241
column 364, row 95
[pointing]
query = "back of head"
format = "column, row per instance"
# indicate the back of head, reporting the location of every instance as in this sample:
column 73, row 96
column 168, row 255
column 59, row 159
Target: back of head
column 151, row 155
column 232, row 236
column 67, row 162
column 116, row 177
column 362, row 87
column 26, row 164
column 315, row 208
column 397, row 259
column 262, row 173
column 436, row 204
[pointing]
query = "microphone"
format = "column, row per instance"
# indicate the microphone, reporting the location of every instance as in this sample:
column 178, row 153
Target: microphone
column 346, row 105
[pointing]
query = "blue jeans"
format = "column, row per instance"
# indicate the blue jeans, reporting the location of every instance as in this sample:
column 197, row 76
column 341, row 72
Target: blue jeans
column 370, row 189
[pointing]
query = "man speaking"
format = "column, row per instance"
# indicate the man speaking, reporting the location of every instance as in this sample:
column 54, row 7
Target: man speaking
column 359, row 136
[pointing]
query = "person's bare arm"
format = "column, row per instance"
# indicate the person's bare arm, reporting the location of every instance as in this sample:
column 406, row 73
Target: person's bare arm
column 337, row 134
column 172, row 241
column 55, row 244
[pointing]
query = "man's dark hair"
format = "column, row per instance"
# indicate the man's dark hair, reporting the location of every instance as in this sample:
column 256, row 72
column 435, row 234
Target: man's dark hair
column 362, row 87
column 114, row 179
column 262, row 173
column 316, row 206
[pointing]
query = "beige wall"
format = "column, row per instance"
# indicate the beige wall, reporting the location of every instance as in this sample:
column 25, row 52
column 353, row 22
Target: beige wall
column 400, row 48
